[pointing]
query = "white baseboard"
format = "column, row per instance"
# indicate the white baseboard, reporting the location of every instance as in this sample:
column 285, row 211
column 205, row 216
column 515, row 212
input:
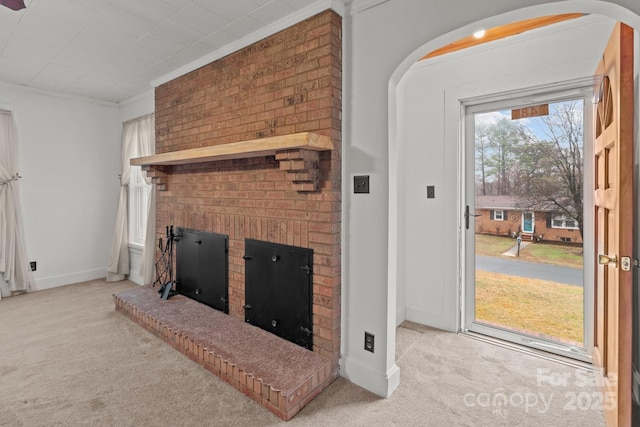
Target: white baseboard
column 380, row 383
column 446, row 322
column 4, row 287
column 67, row 279
column 401, row 315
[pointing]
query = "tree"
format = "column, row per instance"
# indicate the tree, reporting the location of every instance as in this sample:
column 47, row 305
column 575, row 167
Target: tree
column 558, row 183
column 498, row 149
column 544, row 169
column 482, row 149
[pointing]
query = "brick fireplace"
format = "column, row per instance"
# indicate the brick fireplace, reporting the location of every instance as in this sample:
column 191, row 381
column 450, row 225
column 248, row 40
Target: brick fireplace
column 286, row 85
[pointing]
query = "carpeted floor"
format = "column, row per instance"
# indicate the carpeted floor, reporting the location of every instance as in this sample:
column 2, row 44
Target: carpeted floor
column 67, row 358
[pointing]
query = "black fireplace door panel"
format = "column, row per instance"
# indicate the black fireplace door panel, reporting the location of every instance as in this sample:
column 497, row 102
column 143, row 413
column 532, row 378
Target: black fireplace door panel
column 201, row 267
column 278, row 290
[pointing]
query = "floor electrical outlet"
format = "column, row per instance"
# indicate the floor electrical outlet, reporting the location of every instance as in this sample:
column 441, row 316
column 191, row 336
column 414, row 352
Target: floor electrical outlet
column 369, row 341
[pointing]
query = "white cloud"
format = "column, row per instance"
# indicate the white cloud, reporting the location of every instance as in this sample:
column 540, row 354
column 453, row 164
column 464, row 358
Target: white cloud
column 492, row 117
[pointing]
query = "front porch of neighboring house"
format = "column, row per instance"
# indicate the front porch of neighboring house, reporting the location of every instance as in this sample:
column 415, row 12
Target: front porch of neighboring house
column 502, row 216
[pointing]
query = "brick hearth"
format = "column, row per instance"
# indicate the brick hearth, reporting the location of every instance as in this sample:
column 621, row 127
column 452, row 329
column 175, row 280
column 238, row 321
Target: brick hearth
column 281, row 376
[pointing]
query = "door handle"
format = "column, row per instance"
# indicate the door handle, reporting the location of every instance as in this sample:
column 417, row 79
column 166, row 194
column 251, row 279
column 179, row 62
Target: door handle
column 608, row 260
column 467, row 214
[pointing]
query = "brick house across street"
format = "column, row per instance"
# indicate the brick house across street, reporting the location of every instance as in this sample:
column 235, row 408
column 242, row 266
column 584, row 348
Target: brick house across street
column 503, row 216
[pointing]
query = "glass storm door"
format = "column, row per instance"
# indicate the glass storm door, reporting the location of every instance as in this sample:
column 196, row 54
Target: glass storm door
column 521, row 157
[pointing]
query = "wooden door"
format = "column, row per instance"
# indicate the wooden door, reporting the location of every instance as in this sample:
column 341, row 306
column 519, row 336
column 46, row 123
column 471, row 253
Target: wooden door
column 613, row 149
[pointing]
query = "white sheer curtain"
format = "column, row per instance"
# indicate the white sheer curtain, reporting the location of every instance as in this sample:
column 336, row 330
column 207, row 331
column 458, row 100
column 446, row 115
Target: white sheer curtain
column 149, row 252
column 14, row 263
column 138, row 139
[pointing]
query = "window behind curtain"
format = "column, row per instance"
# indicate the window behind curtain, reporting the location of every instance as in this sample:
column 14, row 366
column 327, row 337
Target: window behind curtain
column 138, row 200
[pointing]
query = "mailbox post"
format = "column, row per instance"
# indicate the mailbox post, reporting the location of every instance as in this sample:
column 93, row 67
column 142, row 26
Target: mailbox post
column 519, row 240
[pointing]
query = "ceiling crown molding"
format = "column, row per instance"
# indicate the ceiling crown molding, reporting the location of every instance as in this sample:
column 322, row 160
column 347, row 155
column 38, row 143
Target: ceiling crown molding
column 60, row 95
column 313, row 9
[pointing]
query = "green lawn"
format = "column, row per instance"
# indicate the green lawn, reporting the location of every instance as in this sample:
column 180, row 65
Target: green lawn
column 564, row 255
column 568, row 256
column 532, row 306
column 493, row 245
column 538, row 307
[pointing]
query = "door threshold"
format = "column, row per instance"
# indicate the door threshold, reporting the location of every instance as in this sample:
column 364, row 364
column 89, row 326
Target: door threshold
column 531, row 351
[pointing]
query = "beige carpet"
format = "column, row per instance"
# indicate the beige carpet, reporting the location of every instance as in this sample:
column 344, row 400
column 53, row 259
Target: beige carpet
column 67, row 358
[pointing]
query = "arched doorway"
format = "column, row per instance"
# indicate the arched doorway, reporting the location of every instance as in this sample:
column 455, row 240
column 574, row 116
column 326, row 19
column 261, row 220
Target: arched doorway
column 440, row 219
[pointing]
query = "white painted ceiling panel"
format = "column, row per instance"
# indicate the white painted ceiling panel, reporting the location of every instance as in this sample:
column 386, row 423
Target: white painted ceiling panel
column 151, row 56
column 220, row 39
column 151, row 10
column 298, row 4
column 83, row 58
column 97, row 5
column 15, row 71
column 130, row 61
column 113, row 49
column 200, row 18
column 177, row 3
column 158, row 43
column 230, row 10
column 243, row 26
column 31, row 44
column 9, row 20
column 121, row 71
column 57, row 77
column 271, row 12
column 115, row 22
column 196, row 50
column 26, row 57
column 179, row 33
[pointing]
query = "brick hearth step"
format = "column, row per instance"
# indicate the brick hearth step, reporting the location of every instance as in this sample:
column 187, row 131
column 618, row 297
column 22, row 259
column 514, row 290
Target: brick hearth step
column 280, row 375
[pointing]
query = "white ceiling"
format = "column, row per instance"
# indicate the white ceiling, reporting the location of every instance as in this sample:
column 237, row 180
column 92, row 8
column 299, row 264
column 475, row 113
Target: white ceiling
column 112, row 49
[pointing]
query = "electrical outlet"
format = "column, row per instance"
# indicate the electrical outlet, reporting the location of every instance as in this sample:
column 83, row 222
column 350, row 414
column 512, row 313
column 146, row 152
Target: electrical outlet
column 33, row 265
column 369, row 341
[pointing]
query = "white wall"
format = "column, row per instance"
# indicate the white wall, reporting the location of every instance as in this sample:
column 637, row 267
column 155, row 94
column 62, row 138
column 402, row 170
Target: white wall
column 138, row 106
column 382, row 41
column 69, row 152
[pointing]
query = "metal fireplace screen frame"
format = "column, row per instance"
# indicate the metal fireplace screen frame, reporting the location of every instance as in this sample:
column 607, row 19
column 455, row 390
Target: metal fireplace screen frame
column 279, row 290
column 202, row 265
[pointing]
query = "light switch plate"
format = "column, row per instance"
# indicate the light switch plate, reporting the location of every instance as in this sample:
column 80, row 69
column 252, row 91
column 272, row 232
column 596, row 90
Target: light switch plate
column 431, row 191
column 361, row 184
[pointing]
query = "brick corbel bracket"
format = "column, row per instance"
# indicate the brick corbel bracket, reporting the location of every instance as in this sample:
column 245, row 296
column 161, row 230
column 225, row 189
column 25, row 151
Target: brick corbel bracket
column 158, row 175
column 303, row 168
column 298, row 154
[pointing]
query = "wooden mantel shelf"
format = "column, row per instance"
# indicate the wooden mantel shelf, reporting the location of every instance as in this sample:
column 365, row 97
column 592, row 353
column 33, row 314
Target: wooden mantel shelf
column 239, row 150
column 298, row 154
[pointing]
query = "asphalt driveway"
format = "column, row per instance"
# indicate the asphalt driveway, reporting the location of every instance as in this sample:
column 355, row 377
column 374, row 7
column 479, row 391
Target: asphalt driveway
column 532, row 270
